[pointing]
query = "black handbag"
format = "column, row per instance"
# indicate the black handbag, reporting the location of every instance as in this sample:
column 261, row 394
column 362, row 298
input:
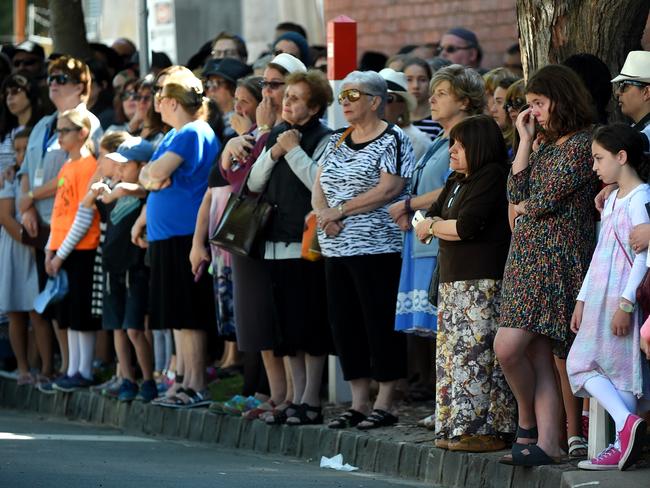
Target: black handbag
column 242, row 222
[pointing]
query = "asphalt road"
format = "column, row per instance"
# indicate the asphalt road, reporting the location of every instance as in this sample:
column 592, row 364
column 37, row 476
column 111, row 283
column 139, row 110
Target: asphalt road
column 43, row 452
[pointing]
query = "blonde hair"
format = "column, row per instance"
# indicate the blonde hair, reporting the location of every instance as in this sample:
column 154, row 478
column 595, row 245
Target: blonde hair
column 466, row 84
column 187, row 90
column 493, row 77
column 79, row 118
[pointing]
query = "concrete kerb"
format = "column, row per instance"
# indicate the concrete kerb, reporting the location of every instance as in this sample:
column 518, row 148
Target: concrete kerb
column 395, row 458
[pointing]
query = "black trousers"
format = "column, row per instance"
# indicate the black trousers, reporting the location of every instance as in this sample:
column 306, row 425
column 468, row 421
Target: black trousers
column 362, row 295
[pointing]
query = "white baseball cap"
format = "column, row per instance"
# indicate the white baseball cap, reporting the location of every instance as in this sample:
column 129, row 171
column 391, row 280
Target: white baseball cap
column 396, row 82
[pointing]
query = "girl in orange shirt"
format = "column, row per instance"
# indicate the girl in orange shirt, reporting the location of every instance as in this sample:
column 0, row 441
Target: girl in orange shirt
column 74, row 237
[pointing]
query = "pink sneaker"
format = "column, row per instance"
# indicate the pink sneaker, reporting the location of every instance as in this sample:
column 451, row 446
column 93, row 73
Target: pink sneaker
column 606, row 460
column 631, row 441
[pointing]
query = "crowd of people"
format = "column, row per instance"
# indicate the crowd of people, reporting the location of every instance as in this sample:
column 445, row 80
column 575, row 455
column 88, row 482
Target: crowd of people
column 455, row 216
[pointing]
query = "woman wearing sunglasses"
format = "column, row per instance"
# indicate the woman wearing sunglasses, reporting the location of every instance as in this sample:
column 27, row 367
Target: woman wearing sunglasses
column 365, row 169
column 125, row 105
column 69, row 82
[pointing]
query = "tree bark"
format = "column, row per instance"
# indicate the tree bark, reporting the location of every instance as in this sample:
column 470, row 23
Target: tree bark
column 552, row 30
column 68, row 29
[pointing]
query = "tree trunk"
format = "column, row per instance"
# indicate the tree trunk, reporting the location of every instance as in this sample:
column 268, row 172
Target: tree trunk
column 68, row 29
column 552, row 30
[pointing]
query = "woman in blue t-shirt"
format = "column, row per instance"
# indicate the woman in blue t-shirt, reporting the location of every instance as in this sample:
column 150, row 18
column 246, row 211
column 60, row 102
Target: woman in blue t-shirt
column 177, row 177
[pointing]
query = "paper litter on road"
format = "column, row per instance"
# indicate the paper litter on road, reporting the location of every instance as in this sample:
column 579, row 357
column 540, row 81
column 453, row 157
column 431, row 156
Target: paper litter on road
column 336, row 463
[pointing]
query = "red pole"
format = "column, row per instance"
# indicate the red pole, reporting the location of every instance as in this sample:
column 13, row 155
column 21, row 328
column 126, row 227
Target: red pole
column 341, row 47
column 20, row 9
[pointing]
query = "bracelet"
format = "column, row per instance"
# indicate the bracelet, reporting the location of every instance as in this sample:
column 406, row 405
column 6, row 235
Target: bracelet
column 30, row 194
column 263, row 128
column 341, row 209
column 431, row 227
column 407, row 205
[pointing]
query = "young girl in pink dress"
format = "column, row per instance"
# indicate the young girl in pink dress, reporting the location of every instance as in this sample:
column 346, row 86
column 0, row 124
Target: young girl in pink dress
column 605, row 361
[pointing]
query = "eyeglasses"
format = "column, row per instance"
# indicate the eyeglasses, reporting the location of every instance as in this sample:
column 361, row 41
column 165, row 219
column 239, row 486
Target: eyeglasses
column 130, row 94
column 516, row 104
column 214, row 84
column 64, row 130
column 273, row 85
column 143, row 98
column 224, row 53
column 61, row 79
column 352, row 94
column 392, row 98
column 13, row 90
column 452, row 49
column 25, row 62
column 625, row 84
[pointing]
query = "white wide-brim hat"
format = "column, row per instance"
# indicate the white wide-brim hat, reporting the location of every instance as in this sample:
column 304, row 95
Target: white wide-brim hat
column 636, row 67
column 397, row 84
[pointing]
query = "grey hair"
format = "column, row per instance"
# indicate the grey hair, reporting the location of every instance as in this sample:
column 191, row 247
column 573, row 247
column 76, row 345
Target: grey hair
column 370, row 82
column 466, row 84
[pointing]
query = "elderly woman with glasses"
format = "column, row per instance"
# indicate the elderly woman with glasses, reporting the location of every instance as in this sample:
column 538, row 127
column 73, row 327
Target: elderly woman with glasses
column 365, row 169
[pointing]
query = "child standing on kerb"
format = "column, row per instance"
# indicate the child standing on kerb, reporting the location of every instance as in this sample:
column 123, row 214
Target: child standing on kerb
column 74, row 237
column 126, row 278
column 605, row 361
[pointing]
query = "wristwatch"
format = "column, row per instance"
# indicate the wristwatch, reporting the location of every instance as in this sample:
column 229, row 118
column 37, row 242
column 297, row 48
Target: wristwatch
column 626, row 307
column 341, row 209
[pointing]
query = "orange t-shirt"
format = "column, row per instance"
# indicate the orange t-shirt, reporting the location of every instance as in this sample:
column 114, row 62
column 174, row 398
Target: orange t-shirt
column 72, row 186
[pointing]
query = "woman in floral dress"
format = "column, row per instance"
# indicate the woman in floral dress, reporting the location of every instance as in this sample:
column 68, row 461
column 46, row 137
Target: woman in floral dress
column 552, row 188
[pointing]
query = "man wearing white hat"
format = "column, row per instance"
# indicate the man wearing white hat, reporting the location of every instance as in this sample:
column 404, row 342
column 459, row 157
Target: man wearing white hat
column 633, row 90
column 400, row 103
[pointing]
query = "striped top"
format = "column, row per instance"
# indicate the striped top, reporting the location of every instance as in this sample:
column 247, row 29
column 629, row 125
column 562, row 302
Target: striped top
column 429, row 126
column 353, row 169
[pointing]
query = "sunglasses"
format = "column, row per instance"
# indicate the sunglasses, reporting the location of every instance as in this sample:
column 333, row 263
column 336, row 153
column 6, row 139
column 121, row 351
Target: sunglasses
column 452, row 49
column 625, row 84
column 392, row 98
column 273, row 85
column 128, row 95
column 352, row 94
column 61, row 79
column 64, row 130
column 516, row 104
column 224, row 53
column 143, row 98
column 24, row 62
column 13, row 90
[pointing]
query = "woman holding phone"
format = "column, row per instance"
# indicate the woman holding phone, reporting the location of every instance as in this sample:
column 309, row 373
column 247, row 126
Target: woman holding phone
column 552, row 188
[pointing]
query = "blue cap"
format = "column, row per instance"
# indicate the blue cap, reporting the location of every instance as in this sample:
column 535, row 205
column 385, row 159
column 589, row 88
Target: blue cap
column 55, row 290
column 299, row 41
column 132, row 149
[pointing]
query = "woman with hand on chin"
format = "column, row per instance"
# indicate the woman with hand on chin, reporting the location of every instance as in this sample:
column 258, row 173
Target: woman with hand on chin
column 285, row 172
column 366, row 168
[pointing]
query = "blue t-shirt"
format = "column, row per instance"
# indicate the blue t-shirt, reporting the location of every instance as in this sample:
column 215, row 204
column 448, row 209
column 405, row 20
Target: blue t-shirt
column 172, row 212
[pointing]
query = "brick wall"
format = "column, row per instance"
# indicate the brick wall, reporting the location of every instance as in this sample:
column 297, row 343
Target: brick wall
column 386, row 25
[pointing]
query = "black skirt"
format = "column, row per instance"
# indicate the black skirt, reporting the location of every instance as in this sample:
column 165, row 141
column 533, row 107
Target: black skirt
column 75, row 310
column 176, row 301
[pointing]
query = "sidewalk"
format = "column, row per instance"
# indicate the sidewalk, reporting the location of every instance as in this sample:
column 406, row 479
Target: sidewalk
column 402, row 451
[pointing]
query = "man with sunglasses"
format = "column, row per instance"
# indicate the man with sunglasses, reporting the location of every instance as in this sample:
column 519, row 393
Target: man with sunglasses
column 29, row 57
column 632, row 88
column 460, row 46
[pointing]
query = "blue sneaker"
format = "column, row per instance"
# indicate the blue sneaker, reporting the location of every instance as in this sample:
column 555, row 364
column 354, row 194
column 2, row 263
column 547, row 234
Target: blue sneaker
column 69, row 384
column 48, row 387
column 128, row 391
column 148, row 391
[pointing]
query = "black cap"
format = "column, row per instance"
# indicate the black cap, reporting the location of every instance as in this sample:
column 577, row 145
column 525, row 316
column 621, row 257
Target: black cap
column 229, row 69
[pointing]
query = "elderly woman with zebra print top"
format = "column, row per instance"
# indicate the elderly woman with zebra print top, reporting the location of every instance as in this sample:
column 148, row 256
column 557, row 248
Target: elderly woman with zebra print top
column 365, row 168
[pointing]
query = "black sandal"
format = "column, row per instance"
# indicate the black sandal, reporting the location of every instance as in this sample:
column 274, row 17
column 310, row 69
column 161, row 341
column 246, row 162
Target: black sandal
column 378, row 418
column 349, row 418
column 280, row 417
column 521, row 432
column 306, row 415
column 531, row 455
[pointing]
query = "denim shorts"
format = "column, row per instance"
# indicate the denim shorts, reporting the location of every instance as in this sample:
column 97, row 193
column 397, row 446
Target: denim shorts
column 126, row 297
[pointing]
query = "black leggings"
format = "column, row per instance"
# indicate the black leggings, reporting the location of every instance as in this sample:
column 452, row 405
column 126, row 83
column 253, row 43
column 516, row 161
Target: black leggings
column 361, row 295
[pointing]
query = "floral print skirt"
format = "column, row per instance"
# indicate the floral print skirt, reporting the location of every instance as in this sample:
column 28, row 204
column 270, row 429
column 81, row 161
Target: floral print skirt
column 472, row 396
